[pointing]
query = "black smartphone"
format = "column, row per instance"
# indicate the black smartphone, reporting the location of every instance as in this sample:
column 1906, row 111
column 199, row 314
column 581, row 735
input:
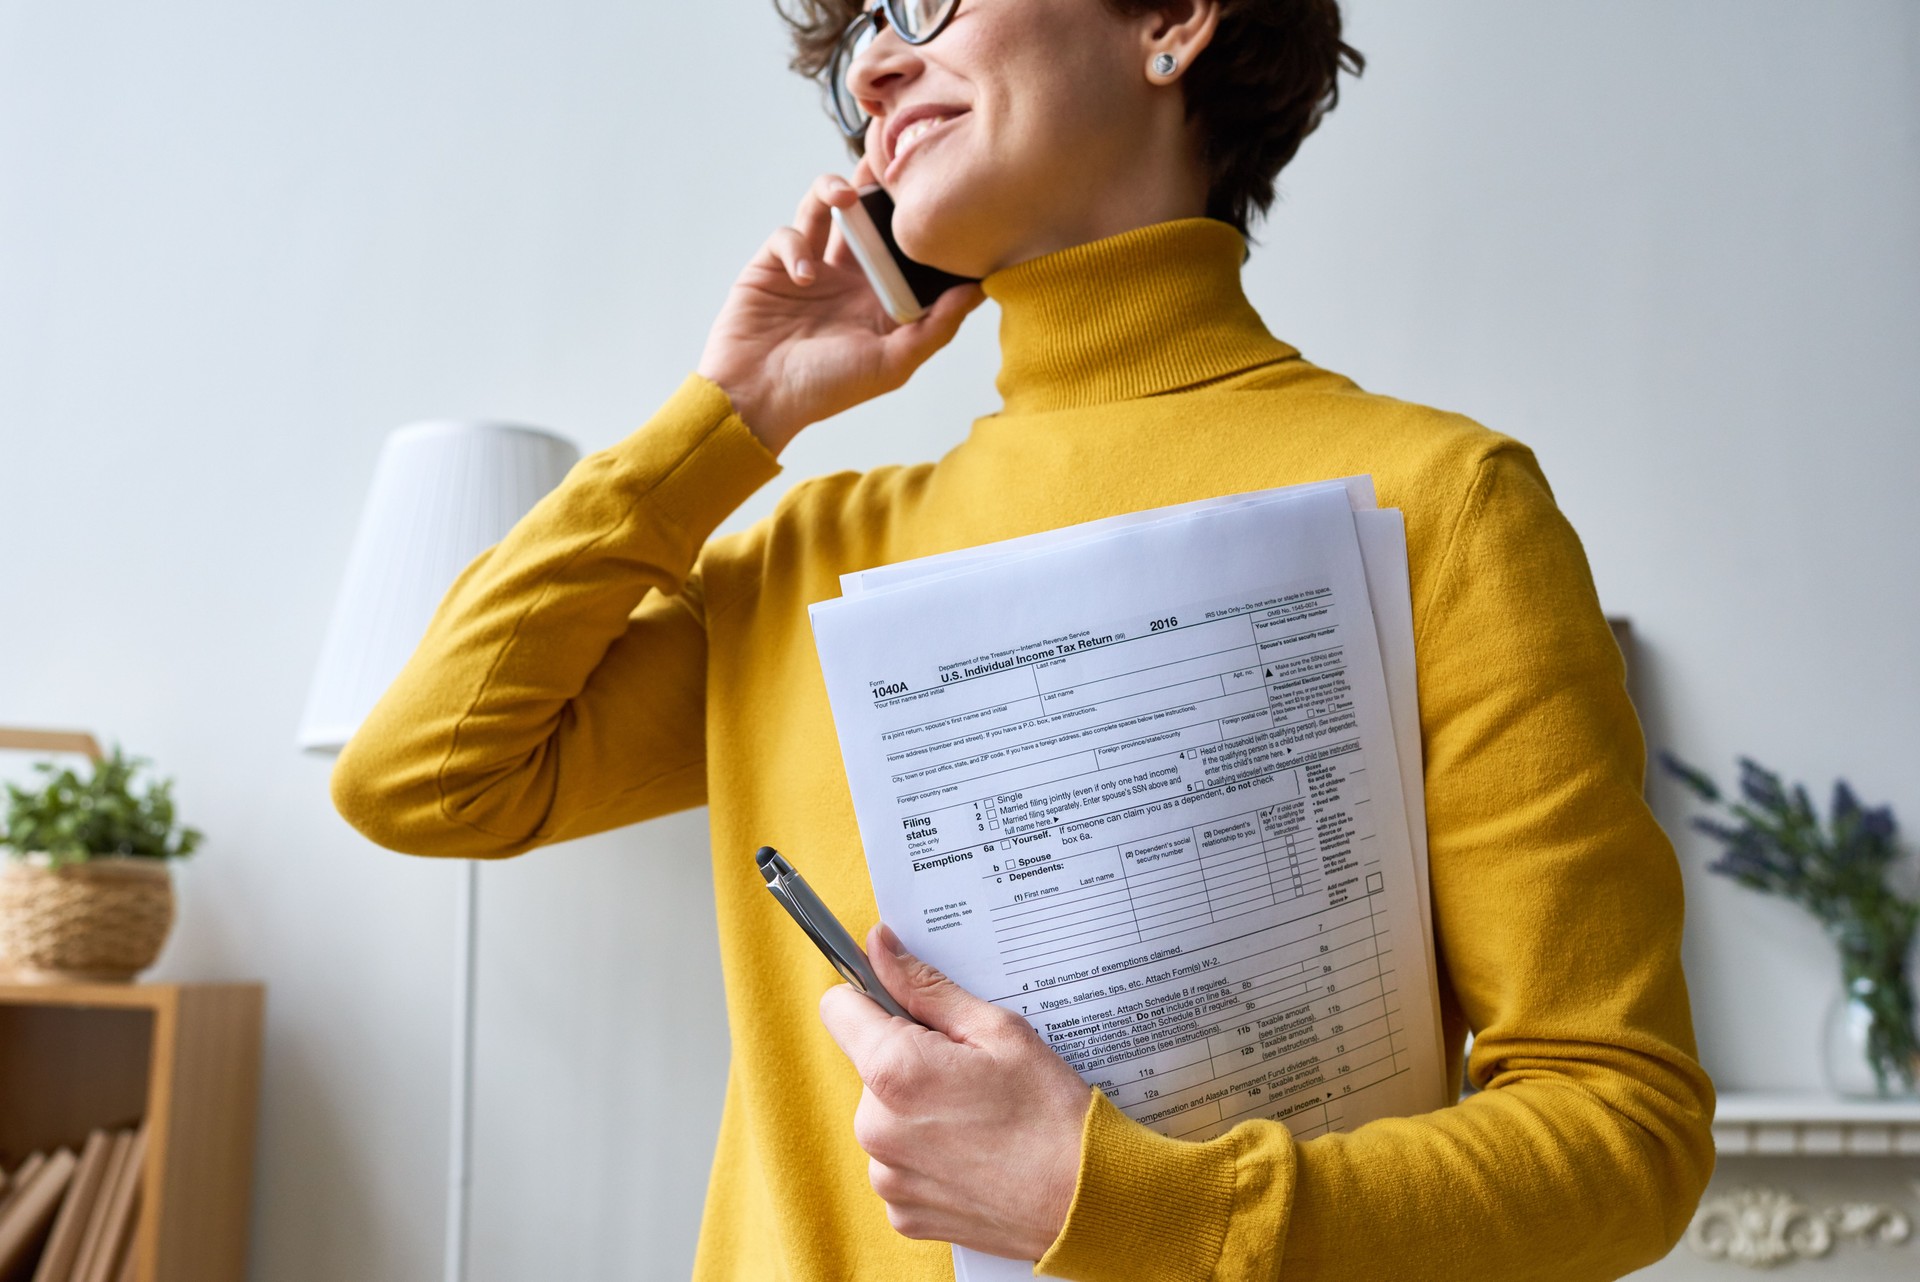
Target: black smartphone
column 906, row 288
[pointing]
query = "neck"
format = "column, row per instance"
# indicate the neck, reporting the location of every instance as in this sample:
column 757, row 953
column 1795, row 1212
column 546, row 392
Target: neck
column 1157, row 176
column 1151, row 310
column 1108, row 218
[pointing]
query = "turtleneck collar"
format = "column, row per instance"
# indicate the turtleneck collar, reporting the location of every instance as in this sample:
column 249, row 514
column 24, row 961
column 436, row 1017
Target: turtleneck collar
column 1147, row 311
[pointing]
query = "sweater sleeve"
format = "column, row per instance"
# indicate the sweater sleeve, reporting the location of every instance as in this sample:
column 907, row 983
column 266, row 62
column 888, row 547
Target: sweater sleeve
column 1557, row 908
column 560, row 688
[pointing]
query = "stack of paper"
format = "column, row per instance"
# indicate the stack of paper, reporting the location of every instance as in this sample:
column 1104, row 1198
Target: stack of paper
column 1154, row 782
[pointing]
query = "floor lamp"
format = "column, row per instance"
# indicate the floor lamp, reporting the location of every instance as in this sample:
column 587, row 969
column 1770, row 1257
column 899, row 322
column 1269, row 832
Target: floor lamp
column 442, row 493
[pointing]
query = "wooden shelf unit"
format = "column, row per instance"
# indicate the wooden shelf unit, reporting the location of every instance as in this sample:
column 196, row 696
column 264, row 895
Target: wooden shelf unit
column 185, row 1058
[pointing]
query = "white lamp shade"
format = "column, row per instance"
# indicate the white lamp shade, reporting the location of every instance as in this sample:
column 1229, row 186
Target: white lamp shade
column 443, row 492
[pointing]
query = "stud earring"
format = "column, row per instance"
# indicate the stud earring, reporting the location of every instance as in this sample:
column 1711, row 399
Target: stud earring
column 1165, row 64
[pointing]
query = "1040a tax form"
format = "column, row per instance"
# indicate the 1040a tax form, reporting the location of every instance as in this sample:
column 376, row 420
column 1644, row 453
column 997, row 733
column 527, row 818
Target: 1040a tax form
column 1153, row 783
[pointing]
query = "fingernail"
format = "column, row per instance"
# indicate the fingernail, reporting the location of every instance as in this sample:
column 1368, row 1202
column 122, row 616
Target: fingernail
column 804, row 269
column 892, row 941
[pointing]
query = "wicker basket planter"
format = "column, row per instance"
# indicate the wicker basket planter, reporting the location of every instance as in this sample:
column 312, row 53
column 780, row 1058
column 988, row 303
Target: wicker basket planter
column 103, row 920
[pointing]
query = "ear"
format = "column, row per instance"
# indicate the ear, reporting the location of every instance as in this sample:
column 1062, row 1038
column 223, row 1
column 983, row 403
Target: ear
column 1179, row 27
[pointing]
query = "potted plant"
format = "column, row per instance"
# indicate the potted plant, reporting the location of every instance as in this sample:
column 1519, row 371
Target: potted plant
column 85, row 894
column 1841, row 871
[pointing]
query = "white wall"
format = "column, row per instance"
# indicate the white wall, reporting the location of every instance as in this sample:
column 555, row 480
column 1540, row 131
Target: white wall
column 1675, row 247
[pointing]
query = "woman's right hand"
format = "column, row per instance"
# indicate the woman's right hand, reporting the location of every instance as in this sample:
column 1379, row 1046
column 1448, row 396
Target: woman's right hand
column 802, row 336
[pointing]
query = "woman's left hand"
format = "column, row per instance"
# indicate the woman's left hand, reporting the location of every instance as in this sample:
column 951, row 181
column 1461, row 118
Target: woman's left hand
column 972, row 1123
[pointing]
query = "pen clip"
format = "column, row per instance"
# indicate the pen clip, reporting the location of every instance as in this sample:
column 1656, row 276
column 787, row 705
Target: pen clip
column 784, row 881
column 811, row 914
column 820, row 938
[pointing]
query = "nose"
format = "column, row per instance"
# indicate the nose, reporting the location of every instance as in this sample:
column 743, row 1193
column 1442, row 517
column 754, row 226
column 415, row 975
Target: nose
column 880, row 68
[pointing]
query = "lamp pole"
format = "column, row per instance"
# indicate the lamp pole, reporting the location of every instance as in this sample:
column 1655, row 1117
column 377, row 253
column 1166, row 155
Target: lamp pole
column 466, row 944
column 442, row 493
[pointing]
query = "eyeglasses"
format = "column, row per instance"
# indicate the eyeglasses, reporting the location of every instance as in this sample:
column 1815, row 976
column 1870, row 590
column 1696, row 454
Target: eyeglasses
column 914, row 21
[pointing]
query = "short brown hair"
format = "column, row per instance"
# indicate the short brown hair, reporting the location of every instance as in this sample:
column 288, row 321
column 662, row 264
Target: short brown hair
column 1263, row 84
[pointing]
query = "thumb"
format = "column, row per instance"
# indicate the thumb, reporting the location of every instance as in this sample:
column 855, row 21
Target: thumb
column 926, row 992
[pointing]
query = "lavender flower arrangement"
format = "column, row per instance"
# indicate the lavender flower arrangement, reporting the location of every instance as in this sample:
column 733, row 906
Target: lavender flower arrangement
column 1838, row 871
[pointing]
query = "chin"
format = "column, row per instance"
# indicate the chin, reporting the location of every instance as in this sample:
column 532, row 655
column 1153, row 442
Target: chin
column 942, row 224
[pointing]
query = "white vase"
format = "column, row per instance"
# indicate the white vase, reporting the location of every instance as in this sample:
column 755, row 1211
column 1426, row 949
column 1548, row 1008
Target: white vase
column 1870, row 1047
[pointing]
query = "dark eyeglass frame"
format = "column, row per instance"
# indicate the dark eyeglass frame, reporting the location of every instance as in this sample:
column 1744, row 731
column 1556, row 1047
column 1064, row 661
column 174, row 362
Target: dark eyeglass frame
column 882, row 12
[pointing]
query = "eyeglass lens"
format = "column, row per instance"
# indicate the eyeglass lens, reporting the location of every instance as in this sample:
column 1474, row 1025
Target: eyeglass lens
column 914, row 20
column 917, row 17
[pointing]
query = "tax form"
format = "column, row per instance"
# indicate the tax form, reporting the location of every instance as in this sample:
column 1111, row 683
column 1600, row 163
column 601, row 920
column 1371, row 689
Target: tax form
column 1140, row 782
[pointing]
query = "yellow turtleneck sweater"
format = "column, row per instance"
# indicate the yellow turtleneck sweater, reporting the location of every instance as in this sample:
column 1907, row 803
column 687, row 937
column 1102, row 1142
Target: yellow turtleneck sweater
column 606, row 662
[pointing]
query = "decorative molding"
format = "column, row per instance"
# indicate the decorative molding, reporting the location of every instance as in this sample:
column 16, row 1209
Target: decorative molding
column 1763, row 1227
column 1871, row 1222
column 1755, row 1124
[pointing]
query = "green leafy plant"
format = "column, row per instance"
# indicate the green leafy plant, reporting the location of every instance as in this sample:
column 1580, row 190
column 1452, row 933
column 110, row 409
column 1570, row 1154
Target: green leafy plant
column 74, row 819
column 1838, row 871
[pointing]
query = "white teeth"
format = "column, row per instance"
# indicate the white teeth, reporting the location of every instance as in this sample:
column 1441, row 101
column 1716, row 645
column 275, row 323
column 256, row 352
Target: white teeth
column 913, row 131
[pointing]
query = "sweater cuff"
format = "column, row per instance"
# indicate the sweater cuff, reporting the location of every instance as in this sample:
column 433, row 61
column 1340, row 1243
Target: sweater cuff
column 697, row 458
column 1144, row 1206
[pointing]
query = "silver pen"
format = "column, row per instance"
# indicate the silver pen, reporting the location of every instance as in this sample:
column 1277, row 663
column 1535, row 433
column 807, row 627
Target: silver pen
column 791, row 889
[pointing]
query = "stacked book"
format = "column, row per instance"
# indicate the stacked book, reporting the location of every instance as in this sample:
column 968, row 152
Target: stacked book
column 68, row 1218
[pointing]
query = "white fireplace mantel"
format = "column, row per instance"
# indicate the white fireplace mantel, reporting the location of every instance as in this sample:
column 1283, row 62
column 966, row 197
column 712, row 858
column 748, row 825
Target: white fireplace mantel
column 1761, row 1124
column 1855, row 1213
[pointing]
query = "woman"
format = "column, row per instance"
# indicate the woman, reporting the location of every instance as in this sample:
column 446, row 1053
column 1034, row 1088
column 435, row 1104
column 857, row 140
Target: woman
column 1097, row 162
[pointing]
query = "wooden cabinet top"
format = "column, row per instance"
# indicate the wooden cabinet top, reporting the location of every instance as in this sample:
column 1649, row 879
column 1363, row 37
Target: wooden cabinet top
column 117, row 996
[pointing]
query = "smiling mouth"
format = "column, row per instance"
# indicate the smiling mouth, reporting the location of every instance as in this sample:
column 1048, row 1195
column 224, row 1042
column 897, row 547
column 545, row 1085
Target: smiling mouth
column 914, row 136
